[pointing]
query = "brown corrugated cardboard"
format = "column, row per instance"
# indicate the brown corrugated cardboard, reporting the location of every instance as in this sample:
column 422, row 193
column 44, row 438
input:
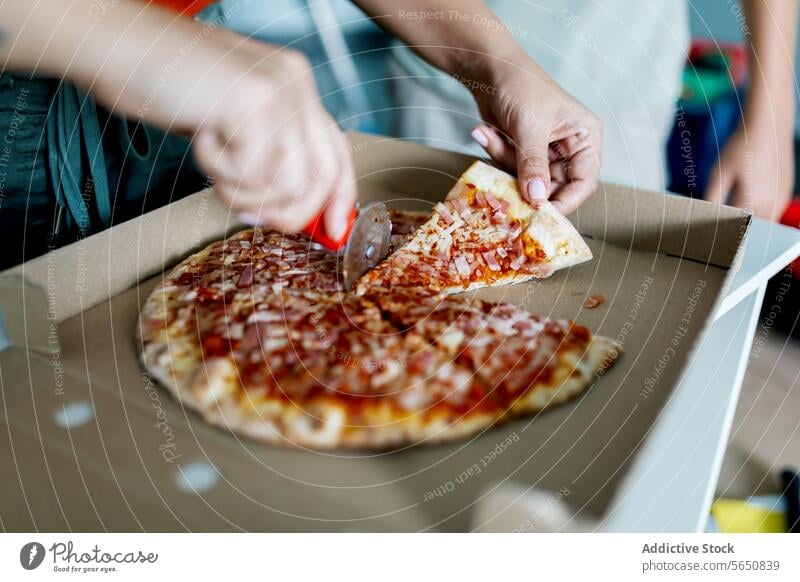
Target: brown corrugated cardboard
column 130, row 462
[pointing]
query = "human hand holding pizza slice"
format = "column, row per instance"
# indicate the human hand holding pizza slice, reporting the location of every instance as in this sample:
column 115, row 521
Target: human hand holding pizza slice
column 536, row 129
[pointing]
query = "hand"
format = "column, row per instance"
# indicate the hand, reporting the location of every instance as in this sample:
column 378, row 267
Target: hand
column 757, row 168
column 537, row 129
column 260, row 132
column 274, row 152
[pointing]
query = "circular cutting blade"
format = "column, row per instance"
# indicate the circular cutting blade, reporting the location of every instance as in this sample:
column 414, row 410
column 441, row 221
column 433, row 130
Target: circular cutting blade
column 368, row 244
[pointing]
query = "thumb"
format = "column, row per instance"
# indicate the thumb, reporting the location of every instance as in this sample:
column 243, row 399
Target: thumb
column 533, row 167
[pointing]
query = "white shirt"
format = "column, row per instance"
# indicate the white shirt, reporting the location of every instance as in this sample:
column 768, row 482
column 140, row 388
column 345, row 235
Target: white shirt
column 612, row 55
column 623, row 59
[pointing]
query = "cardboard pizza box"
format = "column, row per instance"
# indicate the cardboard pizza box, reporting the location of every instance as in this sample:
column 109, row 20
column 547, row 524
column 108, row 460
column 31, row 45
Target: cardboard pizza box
column 91, row 442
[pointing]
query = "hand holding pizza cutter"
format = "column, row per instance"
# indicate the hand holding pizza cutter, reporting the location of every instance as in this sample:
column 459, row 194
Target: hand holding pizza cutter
column 365, row 243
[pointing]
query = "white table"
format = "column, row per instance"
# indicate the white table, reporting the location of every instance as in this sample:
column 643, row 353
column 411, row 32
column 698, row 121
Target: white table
column 671, row 484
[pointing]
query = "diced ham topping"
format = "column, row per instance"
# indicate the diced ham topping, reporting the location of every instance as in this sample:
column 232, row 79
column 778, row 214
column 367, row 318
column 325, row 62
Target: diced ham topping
column 493, row 202
column 500, row 217
column 517, row 263
column 491, row 260
column 462, row 266
column 474, row 265
column 246, row 278
column 444, row 212
column 472, row 218
column 459, row 204
column 519, row 249
column 443, row 247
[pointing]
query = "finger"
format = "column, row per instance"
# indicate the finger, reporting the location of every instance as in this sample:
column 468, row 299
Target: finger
column 320, row 173
column 495, row 145
column 533, row 165
column 207, row 150
column 275, row 191
column 559, row 167
column 250, row 209
column 558, row 175
column 273, row 215
column 582, row 174
column 570, row 196
column 570, row 145
column 232, row 160
column 342, row 201
column 720, row 184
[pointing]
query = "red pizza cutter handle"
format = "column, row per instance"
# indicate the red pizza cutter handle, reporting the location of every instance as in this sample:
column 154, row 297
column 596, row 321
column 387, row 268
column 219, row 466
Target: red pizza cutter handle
column 316, row 230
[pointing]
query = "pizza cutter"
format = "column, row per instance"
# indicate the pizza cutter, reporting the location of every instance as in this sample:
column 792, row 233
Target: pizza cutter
column 365, row 243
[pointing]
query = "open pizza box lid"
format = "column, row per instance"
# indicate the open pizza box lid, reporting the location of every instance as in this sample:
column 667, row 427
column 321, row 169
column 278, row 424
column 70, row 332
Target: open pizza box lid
column 96, row 444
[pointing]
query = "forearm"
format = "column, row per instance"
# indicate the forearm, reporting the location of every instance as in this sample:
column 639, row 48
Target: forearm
column 139, row 59
column 125, row 46
column 71, row 39
column 771, row 36
column 454, row 36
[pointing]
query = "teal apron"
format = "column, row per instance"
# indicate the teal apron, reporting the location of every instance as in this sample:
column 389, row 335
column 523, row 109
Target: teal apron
column 69, row 168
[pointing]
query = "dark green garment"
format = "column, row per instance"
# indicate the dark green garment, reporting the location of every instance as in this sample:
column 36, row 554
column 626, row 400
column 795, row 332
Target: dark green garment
column 69, row 169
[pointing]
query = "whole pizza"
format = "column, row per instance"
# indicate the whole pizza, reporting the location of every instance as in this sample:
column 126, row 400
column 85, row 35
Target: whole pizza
column 258, row 335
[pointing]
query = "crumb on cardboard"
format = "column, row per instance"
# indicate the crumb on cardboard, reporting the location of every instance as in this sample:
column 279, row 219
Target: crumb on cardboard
column 593, row 301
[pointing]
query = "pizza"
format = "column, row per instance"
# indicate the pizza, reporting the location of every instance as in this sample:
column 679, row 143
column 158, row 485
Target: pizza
column 506, row 346
column 258, row 335
column 482, row 234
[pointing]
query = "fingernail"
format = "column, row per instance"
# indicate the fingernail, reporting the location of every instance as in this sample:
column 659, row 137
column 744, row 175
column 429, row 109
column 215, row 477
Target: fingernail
column 480, row 138
column 536, row 189
column 249, row 218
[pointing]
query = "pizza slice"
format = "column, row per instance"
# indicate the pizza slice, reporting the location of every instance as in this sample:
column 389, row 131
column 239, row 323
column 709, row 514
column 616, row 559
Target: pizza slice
column 529, row 362
column 483, row 234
